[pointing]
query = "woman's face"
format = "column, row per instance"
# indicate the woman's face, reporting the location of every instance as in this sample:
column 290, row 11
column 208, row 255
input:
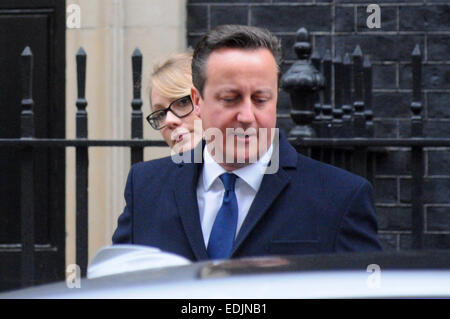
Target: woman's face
column 177, row 132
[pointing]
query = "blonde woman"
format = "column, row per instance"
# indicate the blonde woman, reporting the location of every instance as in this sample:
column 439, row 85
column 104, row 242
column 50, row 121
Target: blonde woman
column 172, row 108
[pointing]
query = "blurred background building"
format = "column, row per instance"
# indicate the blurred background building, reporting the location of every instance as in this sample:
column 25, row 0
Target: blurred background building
column 110, row 31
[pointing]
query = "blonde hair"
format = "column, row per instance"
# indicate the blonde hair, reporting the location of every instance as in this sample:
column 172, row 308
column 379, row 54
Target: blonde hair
column 173, row 78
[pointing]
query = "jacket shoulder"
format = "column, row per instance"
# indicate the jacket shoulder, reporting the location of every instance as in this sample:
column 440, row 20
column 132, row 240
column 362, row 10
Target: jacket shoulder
column 163, row 162
column 329, row 173
column 156, row 167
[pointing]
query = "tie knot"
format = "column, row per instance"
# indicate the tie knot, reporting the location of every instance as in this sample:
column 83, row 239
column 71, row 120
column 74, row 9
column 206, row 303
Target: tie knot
column 228, row 181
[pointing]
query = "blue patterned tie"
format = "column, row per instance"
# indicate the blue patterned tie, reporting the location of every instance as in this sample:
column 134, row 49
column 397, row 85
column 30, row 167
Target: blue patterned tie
column 224, row 228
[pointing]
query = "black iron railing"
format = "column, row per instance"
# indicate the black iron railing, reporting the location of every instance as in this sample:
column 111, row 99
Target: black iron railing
column 336, row 131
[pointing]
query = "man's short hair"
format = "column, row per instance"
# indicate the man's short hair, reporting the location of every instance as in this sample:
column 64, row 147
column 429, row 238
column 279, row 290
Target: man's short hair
column 231, row 36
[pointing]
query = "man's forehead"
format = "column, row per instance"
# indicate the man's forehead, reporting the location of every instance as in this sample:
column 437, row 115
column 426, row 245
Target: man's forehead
column 240, row 52
column 232, row 62
column 230, row 88
column 245, row 70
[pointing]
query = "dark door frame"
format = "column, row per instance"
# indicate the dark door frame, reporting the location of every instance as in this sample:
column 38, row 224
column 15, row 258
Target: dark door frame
column 50, row 255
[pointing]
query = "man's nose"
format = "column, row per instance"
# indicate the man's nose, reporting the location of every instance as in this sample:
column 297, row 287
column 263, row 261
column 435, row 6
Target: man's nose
column 172, row 120
column 246, row 112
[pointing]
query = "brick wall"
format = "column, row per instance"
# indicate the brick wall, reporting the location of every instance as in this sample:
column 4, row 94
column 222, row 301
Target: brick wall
column 339, row 26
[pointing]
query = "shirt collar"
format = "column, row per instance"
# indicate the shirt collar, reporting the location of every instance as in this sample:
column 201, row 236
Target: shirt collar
column 252, row 174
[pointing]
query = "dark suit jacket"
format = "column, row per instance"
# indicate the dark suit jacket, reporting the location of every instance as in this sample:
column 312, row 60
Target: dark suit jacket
column 306, row 207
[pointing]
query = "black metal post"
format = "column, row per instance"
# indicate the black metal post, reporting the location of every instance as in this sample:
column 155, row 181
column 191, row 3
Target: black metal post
column 327, row 117
column 301, row 81
column 337, row 122
column 326, row 107
column 314, row 152
column 137, row 153
column 82, row 164
column 27, row 171
column 317, row 63
column 347, row 109
column 367, row 74
column 358, row 102
column 359, row 121
column 417, row 153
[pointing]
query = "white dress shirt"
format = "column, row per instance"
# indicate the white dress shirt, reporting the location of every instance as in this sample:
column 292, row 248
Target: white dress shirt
column 210, row 189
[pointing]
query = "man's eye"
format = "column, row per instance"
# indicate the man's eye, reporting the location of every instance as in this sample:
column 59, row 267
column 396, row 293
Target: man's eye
column 260, row 100
column 228, row 99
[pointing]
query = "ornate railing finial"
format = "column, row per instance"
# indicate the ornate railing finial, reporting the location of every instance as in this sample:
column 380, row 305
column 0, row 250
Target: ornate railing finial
column 302, row 81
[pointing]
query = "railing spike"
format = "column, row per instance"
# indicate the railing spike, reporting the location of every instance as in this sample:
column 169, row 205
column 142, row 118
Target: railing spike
column 27, row 211
column 136, row 64
column 358, row 102
column 337, row 122
column 137, row 52
column 367, row 73
column 82, row 167
column 326, row 107
column 137, row 153
column 347, row 59
column 302, row 45
column 347, row 107
column 81, row 52
column 416, row 50
column 337, row 59
column 357, row 51
column 416, row 105
column 81, row 58
column 27, row 77
column 417, row 153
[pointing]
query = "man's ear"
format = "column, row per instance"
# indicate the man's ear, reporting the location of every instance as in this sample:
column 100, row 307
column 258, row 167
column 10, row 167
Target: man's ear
column 196, row 97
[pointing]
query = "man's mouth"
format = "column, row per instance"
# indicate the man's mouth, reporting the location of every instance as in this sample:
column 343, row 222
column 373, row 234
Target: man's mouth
column 243, row 135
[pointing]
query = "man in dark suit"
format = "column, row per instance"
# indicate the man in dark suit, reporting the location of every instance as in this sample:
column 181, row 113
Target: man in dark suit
column 231, row 202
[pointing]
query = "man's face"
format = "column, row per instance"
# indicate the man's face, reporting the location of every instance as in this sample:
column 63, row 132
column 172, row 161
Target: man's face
column 240, row 94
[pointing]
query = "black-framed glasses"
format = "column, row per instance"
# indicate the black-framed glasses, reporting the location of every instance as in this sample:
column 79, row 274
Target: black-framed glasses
column 181, row 107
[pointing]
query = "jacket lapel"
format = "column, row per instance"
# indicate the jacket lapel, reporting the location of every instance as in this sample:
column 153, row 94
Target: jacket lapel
column 271, row 187
column 185, row 194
